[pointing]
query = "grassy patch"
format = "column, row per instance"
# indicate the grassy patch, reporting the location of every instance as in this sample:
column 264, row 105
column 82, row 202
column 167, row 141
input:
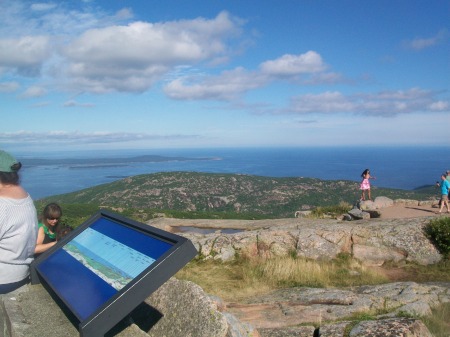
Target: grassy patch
column 247, row 277
column 439, row 272
column 438, row 322
column 355, row 319
column 336, row 210
column 228, row 280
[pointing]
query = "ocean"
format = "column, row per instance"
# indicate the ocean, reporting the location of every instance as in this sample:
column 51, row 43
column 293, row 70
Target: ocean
column 394, row 167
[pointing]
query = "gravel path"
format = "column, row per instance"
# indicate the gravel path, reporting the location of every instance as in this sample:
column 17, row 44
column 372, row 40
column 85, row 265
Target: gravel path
column 392, row 212
column 403, row 212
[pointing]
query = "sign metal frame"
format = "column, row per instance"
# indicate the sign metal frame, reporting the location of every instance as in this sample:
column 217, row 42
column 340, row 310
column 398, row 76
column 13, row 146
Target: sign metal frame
column 104, row 317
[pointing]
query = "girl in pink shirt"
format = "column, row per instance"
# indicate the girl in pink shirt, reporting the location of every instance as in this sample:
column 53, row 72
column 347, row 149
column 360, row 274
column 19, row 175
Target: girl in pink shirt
column 365, row 184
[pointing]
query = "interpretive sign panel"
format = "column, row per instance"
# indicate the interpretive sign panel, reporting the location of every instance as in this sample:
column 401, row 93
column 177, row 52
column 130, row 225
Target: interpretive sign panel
column 108, row 266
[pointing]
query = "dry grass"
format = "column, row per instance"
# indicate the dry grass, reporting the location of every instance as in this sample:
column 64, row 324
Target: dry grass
column 229, row 281
column 288, row 271
column 244, row 278
column 438, row 322
column 404, row 272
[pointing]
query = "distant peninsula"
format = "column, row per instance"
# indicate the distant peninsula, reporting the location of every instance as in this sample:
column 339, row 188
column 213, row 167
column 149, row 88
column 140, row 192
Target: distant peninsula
column 79, row 163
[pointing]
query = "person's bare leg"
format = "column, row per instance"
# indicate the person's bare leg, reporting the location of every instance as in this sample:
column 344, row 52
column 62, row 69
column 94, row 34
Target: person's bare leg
column 443, row 202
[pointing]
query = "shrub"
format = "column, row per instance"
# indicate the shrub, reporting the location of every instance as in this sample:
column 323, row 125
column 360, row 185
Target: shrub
column 438, row 231
column 335, row 210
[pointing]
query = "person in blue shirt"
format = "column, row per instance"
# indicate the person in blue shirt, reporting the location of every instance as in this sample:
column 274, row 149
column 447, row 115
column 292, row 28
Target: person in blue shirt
column 445, row 186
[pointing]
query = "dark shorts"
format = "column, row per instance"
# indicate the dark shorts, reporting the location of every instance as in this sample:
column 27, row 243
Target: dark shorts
column 7, row 288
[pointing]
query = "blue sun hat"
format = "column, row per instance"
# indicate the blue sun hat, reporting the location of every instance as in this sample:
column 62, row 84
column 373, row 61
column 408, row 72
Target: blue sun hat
column 6, row 162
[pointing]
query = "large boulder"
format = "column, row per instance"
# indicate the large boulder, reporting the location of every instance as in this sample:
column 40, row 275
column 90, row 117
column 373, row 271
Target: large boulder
column 360, row 213
column 186, row 310
column 382, row 202
column 378, row 203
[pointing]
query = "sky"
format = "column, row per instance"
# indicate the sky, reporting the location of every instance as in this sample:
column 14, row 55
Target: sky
column 116, row 74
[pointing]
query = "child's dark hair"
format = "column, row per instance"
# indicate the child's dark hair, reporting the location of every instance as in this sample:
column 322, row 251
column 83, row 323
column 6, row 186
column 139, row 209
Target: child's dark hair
column 62, row 231
column 365, row 172
column 51, row 210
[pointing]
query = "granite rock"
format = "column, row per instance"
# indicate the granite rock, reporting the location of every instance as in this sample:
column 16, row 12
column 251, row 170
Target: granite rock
column 373, row 241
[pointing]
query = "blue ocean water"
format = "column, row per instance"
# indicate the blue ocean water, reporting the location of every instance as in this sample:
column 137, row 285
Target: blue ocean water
column 394, row 167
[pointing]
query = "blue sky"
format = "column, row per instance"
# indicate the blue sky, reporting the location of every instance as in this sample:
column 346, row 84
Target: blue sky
column 209, row 73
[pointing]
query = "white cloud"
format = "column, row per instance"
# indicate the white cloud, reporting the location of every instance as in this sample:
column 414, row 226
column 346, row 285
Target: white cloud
column 124, row 14
column 386, row 103
column 42, row 6
column 63, row 137
column 34, row 91
column 41, row 104
column 310, row 121
column 423, row 43
column 327, row 102
column 24, row 55
column 229, row 85
column 131, row 58
column 440, row 106
column 73, row 103
column 291, row 65
column 326, row 78
column 9, row 86
column 92, row 51
column 36, row 32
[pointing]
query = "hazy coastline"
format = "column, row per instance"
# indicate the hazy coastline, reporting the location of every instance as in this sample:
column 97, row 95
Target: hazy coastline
column 394, row 167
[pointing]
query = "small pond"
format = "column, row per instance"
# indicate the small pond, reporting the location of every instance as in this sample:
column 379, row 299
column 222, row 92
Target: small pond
column 190, row 229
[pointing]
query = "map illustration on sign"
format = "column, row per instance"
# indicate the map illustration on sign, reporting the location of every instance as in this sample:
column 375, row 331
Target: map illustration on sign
column 112, row 261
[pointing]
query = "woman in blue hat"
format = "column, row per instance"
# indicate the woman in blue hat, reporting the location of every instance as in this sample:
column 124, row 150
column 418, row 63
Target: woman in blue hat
column 18, row 226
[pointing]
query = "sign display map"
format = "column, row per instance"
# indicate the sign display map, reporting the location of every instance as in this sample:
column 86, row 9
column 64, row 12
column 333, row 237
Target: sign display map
column 114, row 262
column 106, row 258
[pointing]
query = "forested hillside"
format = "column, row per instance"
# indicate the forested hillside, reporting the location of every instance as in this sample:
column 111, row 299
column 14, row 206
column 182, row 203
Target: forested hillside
column 227, row 193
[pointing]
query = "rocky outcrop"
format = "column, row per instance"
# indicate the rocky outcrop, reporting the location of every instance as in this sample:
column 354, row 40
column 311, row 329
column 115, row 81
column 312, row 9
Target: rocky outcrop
column 369, row 209
column 294, row 306
column 296, row 311
column 394, row 327
column 374, row 209
column 178, row 308
column 373, row 241
column 181, row 308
